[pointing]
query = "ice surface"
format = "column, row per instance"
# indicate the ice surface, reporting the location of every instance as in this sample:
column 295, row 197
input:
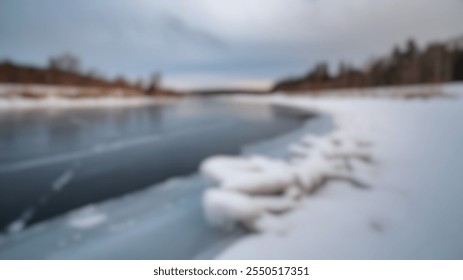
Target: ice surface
column 86, row 218
column 164, row 221
column 20, row 223
column 62, row 180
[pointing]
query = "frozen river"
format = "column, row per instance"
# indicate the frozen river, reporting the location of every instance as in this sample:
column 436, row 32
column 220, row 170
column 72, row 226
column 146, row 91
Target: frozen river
column 52, row 161
column 111, row 165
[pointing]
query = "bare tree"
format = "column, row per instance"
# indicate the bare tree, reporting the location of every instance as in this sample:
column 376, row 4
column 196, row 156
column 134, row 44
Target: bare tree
column 65, row 62
column 156, row 80
column 154, row 84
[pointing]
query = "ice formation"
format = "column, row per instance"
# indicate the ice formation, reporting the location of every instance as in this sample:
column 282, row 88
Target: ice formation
column 251, row 189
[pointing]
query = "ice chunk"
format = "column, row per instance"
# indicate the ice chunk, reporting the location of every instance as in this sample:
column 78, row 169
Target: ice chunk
column 225, row 208
column 86, row 218
column 255, row 175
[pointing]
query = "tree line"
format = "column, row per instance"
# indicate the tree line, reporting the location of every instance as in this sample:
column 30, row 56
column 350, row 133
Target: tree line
column 436, row 63
column 65, row 69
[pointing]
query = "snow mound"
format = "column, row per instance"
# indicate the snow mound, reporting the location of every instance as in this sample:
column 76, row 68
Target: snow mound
column 254, row 175
column 224, row 208
column 250, row 190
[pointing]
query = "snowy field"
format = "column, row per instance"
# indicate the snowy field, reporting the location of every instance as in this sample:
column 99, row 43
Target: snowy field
column 386, row 183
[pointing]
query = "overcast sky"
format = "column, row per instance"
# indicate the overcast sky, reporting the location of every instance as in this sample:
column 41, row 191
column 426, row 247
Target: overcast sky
column 207, row 43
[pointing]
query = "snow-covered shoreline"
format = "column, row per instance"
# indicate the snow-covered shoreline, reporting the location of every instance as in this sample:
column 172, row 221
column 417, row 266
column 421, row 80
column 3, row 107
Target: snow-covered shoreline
column 412, row 158
column 63, row 97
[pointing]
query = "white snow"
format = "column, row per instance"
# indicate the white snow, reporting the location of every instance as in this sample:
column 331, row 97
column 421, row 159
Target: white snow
column 224, row 208
column 386, row 183
column 251, row 188
column 253, row 175
column 60, row 102
column 65, row 97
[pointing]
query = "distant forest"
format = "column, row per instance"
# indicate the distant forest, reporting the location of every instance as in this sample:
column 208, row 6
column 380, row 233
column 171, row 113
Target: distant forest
column 437, row 63
column 65, row 70
column 62, row 70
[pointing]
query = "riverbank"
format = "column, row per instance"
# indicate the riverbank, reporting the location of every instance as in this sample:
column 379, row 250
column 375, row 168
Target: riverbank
column 31, row 96
column 390, row 186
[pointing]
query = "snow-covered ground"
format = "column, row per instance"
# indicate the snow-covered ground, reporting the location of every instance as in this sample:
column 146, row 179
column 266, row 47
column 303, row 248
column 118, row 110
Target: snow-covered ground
column 12, row 96
column 386, row 183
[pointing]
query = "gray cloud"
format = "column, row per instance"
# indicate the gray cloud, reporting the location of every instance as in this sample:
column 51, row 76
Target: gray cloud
column 252, row 40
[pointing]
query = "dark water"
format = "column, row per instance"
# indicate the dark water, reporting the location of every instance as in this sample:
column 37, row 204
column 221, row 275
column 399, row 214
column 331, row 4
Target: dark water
column 52, row 161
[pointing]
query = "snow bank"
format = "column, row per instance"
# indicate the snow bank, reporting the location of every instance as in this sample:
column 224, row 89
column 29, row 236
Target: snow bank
column 251, row 188
column 419, row 91
column 385, row 184
column 255, row 175
column 68, row 97
column 61, row 102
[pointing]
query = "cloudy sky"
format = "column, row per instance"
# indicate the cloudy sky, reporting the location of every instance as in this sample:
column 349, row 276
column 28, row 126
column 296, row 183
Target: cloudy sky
column 208, row 43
